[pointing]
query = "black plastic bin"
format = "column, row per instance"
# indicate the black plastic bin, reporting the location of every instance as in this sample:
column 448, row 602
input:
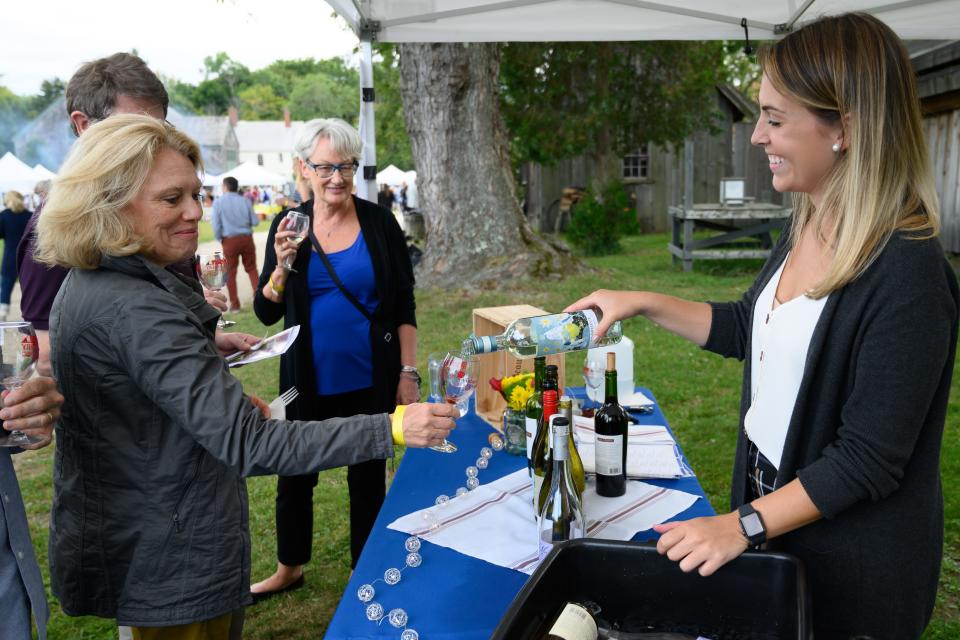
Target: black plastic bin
column 759, row 595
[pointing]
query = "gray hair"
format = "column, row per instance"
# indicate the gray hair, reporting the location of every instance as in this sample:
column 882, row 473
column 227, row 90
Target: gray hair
column 343, row 137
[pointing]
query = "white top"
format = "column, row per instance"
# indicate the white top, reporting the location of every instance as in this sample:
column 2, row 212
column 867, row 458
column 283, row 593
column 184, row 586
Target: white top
column 781, row 338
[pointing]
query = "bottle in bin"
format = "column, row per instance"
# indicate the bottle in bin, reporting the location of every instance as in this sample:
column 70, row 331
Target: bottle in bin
column 575, row 622
column 561, row 518
column 610, row 424
column 534, row 408
column 546, row 335
column 565, row 410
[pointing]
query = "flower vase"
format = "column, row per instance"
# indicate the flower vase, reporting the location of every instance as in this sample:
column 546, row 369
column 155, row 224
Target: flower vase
column 514, row 431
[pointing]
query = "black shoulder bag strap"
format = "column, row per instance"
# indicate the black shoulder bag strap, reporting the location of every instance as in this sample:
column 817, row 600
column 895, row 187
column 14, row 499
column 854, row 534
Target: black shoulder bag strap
column 387, row 336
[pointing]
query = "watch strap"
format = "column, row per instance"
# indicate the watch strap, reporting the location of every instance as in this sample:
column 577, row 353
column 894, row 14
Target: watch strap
column 747, row 511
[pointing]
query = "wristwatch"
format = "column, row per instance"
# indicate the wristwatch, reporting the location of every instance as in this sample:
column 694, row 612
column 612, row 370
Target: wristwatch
column 751, row 525
column 412, row 372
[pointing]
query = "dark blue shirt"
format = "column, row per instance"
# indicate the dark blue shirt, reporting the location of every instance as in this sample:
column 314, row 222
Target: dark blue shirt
column 342, row 355
column 11, row 231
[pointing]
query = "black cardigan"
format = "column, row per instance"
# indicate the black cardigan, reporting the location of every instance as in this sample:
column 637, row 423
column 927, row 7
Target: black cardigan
column 393, row 274
column 864, row 437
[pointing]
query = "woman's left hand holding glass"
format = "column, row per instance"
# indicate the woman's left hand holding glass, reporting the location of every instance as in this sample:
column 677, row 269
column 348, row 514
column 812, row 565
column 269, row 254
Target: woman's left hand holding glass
column 32, row 409
column 705, row 544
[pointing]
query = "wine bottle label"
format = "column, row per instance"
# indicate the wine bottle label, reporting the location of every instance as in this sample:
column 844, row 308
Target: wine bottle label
column 564, row 332
column 530, row 425
column 574, row 623
column 609, row 455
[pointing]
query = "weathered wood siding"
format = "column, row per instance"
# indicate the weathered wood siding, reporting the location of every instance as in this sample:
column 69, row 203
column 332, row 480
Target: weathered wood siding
column 942, row 132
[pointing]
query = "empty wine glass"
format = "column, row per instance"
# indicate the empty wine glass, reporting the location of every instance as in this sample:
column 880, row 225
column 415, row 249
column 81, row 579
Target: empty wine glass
column 18, row 358
column 212, row 272
column 299, row 223
column 593, row 375
column 458, row 379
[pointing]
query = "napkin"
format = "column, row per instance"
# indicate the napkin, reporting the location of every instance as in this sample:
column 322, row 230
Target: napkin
column 635, row 399
column 278, row 410
column 651, row 450
column 495, row 522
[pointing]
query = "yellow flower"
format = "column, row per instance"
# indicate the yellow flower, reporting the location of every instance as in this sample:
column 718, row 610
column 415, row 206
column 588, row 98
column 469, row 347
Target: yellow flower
column 519, row 396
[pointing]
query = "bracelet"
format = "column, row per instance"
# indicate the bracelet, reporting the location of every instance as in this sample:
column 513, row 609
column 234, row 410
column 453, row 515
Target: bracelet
column 277, row 289
column 396, row 424
column 411, row 373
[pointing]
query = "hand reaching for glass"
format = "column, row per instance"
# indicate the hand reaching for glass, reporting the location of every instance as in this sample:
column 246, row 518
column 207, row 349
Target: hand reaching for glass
column 427, row 424
column 32, row 410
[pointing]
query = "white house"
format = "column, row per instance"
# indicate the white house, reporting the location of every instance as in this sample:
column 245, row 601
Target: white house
column 268, row 143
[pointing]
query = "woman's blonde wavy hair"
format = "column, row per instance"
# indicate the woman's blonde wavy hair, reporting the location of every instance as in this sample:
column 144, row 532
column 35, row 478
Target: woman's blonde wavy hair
column 853, row 70
column 14, row 201
column 84, row 218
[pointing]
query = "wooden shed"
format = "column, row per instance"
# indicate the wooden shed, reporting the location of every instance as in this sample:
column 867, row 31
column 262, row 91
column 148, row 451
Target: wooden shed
column 655, row 174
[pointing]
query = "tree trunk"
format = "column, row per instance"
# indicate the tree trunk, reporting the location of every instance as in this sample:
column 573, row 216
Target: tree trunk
column 475, row 230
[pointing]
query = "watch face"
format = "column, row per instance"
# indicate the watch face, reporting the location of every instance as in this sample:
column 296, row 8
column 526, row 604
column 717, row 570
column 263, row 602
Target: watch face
column 751, row 525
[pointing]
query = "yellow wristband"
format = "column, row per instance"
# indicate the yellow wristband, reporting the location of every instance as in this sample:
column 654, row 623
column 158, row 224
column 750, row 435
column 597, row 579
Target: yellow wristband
column 397, row 423
column 277, row 289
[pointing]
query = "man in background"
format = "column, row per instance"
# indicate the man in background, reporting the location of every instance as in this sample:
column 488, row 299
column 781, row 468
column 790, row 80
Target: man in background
column 233, row 222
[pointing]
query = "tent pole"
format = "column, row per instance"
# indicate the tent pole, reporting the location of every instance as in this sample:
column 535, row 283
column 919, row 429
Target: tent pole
column 367, row 184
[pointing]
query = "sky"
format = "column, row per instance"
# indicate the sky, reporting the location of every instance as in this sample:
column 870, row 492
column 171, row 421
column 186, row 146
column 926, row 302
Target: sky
column 47, row 38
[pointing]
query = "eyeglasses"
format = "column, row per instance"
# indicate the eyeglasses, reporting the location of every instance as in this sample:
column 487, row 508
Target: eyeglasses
column 325, row 171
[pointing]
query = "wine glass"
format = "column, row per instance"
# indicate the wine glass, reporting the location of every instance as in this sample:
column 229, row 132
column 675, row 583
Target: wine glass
column 458, row 379
column 18, row 358
column 212, row 272
column 594, row 369
column 299, row 223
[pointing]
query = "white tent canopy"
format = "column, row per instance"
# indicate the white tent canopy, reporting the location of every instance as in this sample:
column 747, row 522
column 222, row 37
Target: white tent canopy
column 391, row 176
column 604, row 20
column 16, row 174
column 251, row 174
column 596, row 20
column 43, row 173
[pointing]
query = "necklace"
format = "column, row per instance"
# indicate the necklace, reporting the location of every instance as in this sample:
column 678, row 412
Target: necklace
column 337, row 219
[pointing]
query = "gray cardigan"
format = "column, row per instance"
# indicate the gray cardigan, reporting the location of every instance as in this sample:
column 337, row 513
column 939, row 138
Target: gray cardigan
column 864, row 437
column 149, row 518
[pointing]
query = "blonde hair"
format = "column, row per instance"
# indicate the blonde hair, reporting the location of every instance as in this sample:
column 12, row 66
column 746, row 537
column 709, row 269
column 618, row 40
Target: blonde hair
column 13, row 200
column 84, row 219
column 853, row 70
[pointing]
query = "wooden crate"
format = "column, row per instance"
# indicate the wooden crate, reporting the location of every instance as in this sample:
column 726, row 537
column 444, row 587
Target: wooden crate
column 490, row 321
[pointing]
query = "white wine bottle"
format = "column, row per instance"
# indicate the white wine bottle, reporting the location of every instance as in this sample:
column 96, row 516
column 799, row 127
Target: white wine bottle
column 546, row 335
column 573, row 623
column 561, row 518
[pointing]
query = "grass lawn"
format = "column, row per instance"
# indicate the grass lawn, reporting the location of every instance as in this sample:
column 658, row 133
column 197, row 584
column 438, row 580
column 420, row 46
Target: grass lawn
column 699, row 393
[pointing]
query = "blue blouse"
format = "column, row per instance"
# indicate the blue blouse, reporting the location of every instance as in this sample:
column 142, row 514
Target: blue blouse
column 342, row 355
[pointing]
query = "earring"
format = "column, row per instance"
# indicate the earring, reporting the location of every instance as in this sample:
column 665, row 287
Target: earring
column 836, row 147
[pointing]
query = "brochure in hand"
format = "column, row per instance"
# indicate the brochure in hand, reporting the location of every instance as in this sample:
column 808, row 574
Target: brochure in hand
column 275, row 345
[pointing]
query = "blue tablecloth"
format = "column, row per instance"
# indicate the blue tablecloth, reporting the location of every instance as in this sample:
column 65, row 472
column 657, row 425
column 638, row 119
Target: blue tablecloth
column 451, row 595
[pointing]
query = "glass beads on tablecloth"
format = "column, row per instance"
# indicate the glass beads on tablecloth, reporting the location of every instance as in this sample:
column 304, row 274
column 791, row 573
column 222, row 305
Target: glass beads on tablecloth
column 397, row 618
column 414, row 559
column 442, row 500
column 412, row 543
column 472, row 472
column 391, row 576
column 495, row 441
column 374, row 611
column 366, row 592
column 409, row 634
column 482, row 463
column 486, row 452
column 461, row 491
column 473, row 483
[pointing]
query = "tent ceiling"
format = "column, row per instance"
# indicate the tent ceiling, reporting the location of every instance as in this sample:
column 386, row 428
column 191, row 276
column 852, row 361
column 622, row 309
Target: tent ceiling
column 597, row 20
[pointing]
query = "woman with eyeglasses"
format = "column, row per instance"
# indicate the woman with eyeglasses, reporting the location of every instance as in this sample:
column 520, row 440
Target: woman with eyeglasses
column 357, row 348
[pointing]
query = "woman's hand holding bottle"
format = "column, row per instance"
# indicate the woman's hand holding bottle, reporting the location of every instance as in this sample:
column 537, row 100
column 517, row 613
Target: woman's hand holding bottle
column 613, row 305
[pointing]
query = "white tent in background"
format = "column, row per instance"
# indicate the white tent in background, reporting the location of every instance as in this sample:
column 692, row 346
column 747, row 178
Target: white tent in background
column 43, row 173
column 251, row 174
column 16, row 174
column 210, row 180
column 391, row 176
column 603, row 20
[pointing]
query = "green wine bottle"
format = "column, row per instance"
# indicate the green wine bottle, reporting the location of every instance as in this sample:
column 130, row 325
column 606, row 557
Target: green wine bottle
column 610, row 425
column 534, row 408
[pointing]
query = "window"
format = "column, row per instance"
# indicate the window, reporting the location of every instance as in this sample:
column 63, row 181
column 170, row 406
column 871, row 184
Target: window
column 260, row 159
column 636, row 164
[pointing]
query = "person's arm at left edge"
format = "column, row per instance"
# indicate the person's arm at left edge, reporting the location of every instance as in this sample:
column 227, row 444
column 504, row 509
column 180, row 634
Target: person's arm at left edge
column 408, row 388
column 33, row 409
